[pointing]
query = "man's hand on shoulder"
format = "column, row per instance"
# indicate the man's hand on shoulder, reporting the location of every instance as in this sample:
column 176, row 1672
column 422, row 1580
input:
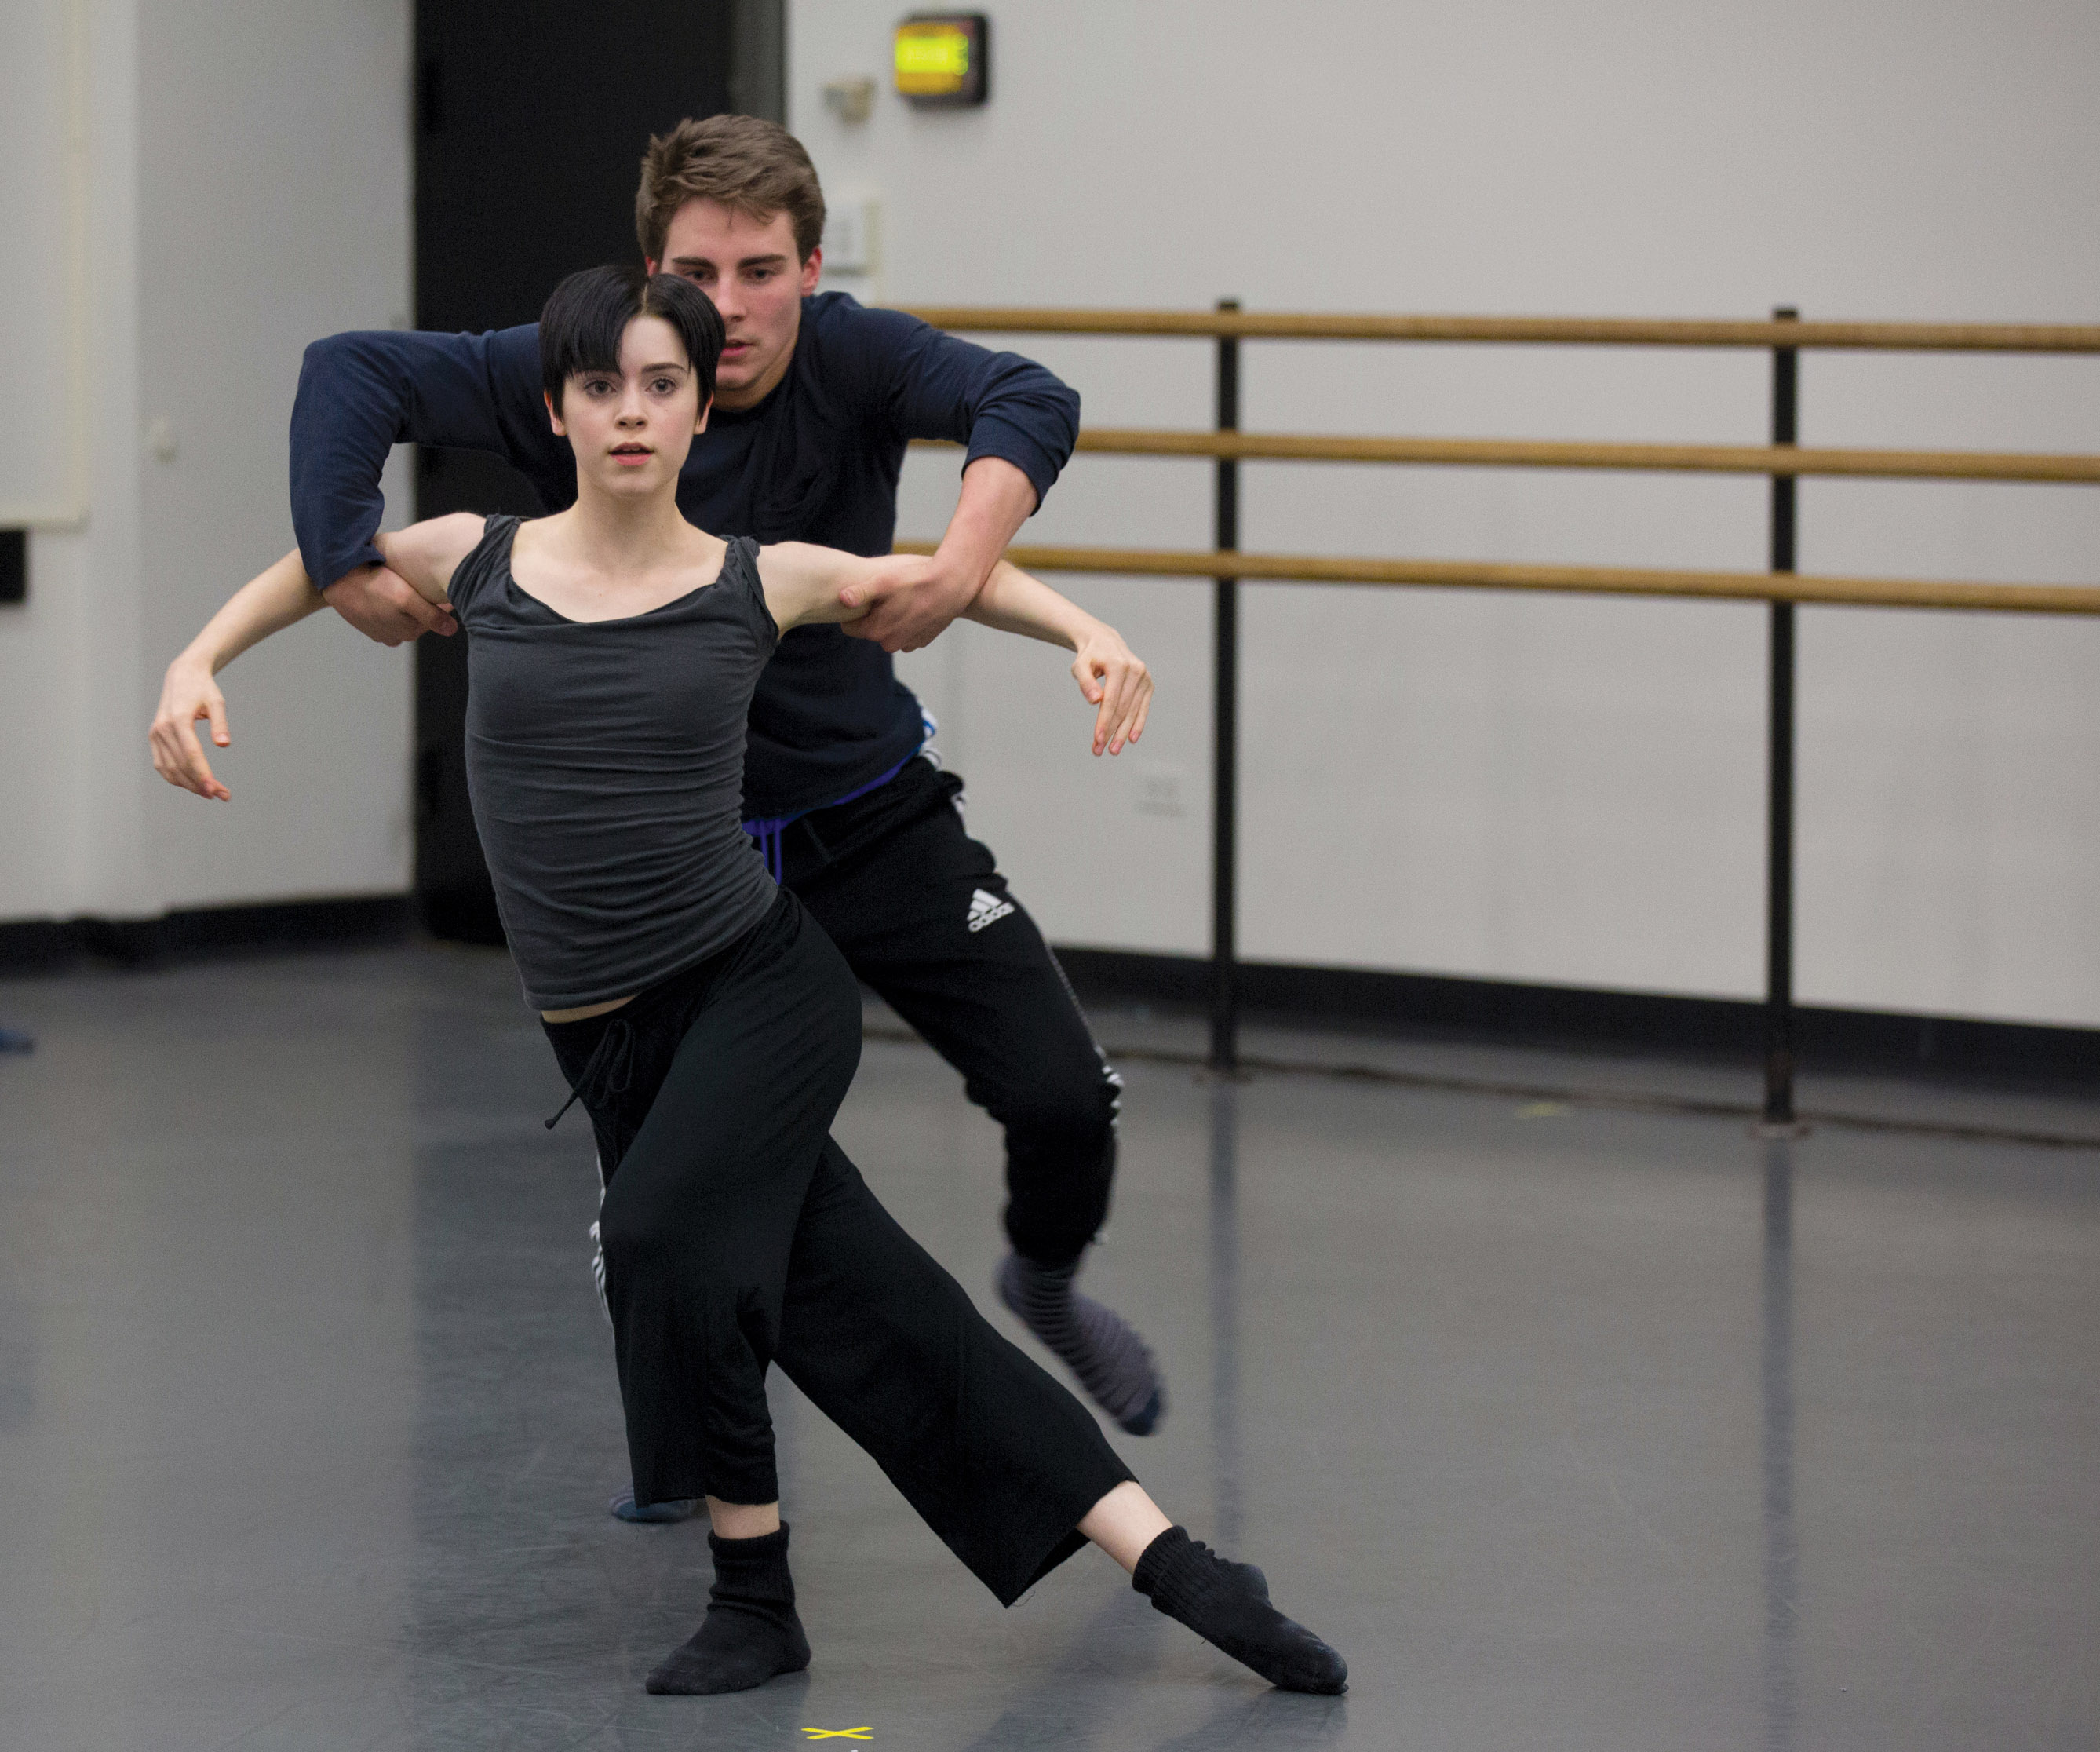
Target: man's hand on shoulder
column 384, row 606
column 914, row 598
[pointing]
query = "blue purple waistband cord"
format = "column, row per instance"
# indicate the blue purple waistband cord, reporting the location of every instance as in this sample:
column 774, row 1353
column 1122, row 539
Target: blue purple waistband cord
column 767, row 829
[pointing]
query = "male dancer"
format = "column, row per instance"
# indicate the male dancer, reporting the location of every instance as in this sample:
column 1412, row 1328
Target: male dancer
column 816, row 400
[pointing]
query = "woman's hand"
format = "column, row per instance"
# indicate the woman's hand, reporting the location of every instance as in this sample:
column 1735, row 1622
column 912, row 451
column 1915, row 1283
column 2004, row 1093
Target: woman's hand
column 189, row 692
column 1115, row 679
column 276, row 597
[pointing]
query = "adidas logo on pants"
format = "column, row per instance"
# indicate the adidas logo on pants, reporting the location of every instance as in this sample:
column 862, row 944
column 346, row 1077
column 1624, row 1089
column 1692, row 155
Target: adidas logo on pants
column 987, row 909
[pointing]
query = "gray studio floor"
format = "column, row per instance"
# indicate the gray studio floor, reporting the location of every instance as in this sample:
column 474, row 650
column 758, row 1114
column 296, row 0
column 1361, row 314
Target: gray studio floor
column 1574, row 1425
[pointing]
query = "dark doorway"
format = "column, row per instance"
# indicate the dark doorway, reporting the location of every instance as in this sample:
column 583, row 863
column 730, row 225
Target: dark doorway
column 531, row 116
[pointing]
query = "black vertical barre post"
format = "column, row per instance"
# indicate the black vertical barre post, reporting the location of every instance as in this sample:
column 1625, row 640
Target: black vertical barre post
column 1224, row 720
column 1779, row 845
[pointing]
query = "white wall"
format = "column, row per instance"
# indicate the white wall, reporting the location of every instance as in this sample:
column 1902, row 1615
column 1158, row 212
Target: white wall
column 43, row 68
column 248, row 188
column 1567, row 790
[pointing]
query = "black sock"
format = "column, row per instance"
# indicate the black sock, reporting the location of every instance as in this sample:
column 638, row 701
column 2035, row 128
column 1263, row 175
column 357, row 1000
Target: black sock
column 751, row 1632
column 1226, row 1604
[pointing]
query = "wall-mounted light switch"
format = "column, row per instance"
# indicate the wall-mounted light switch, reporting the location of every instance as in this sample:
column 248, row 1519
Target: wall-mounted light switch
column 852, row 236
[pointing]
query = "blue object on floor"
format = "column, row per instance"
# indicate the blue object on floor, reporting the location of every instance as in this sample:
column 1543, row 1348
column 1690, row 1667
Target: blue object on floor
column 13, row 1040
column 653, row 1514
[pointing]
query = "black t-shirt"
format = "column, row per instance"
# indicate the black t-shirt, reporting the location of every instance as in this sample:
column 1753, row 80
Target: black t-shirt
column 604, row 758
column 817, row 461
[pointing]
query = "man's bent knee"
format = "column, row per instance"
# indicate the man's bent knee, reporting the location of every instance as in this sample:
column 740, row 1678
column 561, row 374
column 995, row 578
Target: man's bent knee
column 1069, row 1108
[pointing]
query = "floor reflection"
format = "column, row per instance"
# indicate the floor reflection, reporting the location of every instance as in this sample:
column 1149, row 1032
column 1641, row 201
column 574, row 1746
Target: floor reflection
column 1269, row 1719
column 1224, row 1214
column 1782, row 1557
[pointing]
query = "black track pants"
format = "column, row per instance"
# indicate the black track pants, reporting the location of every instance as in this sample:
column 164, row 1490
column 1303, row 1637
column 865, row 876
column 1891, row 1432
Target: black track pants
column 737, row 1234
column 922, row 915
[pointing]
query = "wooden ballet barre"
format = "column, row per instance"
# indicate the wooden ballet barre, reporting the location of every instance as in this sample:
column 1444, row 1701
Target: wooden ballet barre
column 1595, row 580
column 1496, row 452
column 1587, row 331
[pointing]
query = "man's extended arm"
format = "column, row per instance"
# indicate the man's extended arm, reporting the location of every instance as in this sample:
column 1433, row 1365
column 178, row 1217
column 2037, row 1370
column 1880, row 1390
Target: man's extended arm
column 1018, row 423
column 361, row 394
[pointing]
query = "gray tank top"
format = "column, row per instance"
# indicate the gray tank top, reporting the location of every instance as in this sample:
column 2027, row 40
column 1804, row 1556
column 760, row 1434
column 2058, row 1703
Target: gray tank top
column 605, row 759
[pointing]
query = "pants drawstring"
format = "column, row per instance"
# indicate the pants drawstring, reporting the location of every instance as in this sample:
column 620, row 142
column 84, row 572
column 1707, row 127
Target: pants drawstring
column 607, row 1071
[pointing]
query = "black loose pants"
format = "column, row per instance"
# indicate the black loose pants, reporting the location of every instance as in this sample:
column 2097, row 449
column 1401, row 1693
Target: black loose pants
column 737, row 1234
column 922, row 915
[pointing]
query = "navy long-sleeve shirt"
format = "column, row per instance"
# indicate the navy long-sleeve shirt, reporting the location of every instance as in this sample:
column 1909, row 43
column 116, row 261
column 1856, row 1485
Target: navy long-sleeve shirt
column 817, row 461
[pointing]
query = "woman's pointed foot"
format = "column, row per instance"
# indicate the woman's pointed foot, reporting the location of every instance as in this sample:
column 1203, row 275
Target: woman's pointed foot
column 1226, row 1604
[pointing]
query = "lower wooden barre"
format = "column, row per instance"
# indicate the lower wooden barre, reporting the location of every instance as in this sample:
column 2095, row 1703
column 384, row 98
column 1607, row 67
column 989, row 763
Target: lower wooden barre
column 1592, row 580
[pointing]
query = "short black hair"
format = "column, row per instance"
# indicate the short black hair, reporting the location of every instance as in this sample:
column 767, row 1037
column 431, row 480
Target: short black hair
column 581, row 326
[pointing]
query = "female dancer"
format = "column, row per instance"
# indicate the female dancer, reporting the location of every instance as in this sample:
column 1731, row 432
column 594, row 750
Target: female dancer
column 710, row 1030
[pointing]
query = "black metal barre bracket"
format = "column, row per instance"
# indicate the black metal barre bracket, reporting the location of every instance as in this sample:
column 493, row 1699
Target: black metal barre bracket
column 1779, row 1119
column 1225, row 729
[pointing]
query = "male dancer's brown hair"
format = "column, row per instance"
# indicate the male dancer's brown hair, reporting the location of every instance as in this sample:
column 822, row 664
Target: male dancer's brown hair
column 756, row 167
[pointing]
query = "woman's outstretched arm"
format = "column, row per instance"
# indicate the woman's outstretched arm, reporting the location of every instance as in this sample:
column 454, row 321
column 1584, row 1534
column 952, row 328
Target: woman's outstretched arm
column 424, row 553
column 1109, row 674
column 267, row 604
column 806, row 584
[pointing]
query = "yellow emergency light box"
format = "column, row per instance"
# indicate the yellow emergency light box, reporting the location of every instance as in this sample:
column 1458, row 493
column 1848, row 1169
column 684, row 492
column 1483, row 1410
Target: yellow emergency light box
column 944, row 59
